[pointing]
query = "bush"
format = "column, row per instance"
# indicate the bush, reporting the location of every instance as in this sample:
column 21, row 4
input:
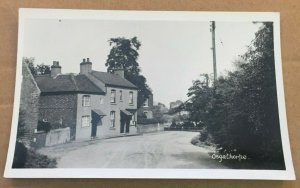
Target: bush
column 44, row 126
column 28, row 158
column 35, row 160
column 20, row 155
column 149, row 121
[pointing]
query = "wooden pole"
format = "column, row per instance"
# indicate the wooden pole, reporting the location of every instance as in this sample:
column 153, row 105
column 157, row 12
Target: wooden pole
column 213, row 27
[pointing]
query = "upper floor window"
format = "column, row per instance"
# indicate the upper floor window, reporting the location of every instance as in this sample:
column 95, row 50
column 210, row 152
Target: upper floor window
column 86, row 100
column 113, row 96
column 101, row 100
column 130, row 97
column 85, row 121
column 121, row 95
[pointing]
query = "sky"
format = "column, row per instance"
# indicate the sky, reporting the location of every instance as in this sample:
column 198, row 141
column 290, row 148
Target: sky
column 172, row 54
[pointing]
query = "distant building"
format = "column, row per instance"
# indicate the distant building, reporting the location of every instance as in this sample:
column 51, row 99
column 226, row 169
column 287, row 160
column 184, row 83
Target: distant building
column 177, row 104
column 91, row 103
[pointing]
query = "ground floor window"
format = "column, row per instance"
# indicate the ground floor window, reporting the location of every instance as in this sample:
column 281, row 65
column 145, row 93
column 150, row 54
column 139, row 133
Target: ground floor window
column 85, row 121
column 112, row 118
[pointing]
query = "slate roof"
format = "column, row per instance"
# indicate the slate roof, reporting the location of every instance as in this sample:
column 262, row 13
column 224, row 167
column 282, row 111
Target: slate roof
column 67, row 83
column 113, row 80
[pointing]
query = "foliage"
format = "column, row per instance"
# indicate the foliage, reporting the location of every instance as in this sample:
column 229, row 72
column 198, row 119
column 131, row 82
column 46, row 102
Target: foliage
column 29, row 158
column 240, row 111
column 145, row 121
column 20, row 155
column 124, row 54
column 36, row 160
column 44, row 126
column 39, row 69
column 21, row 124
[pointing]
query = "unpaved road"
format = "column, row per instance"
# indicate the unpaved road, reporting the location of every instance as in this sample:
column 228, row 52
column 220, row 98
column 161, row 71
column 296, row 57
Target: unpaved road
column 157, row 150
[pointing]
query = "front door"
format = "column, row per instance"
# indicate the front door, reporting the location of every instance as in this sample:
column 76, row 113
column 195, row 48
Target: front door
column 95, row 121
column 124, row 123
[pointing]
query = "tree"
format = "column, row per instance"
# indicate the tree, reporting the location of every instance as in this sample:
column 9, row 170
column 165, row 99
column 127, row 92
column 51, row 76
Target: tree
column 39, row 69
column 241, row 111
column 124, row 53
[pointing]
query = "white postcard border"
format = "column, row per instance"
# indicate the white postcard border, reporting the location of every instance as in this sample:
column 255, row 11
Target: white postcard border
column 25, row 13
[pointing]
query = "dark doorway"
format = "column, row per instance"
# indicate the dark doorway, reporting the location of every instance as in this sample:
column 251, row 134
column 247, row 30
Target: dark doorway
column 96, row 121
column 125, row 121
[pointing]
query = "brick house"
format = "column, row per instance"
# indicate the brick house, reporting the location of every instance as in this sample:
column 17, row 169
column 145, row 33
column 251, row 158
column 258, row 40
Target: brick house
column 147, row 109
column 91, row 103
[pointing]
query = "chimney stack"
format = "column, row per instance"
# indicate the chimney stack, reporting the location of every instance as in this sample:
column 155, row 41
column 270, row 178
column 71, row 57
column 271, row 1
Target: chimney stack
column 85, row 66
column 55, row 69
column 119, row 71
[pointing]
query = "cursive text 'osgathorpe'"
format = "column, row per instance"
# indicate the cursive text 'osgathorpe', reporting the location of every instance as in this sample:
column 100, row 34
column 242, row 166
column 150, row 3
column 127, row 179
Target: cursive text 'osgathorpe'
column 228, row 156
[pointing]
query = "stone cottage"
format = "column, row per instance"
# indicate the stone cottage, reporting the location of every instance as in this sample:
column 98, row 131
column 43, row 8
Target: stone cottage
column 91, row 103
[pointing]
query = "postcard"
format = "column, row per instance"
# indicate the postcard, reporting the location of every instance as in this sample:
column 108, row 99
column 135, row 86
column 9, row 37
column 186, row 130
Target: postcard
column 149, row 94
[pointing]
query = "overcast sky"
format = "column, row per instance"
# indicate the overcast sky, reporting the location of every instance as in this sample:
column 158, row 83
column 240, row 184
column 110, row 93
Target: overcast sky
column 172, row 55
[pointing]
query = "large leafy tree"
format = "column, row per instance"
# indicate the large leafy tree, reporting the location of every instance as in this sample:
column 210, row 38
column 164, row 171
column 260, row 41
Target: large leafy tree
column 124, row 53
column 240, row 111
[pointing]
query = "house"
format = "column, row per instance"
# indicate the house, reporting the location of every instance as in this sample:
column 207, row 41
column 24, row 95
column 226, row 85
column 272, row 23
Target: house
column 147, row 109
column 29, row 104
column 91, row 103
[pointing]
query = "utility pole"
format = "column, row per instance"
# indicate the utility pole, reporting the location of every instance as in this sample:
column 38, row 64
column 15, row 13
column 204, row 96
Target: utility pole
column 212, row 29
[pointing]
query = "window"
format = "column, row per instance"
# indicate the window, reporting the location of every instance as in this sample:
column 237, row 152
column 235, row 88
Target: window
column 85, row 121
column 132, row 121
column 130, row 97
column 113, row 96
column 101, row 100
column 146, row 103
column 121, row 95
column 146, row 114
column 112, row 118
column 86, row 100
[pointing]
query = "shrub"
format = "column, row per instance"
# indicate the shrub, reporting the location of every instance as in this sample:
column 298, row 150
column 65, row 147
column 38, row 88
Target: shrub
column 44, row 126
column 20, row 155
column 29, row 158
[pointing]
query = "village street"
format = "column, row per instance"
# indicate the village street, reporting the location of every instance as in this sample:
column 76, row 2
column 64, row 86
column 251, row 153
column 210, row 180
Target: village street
column 157, row 150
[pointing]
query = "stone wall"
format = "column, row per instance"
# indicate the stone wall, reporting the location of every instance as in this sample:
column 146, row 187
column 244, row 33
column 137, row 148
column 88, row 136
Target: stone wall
column 57, row 136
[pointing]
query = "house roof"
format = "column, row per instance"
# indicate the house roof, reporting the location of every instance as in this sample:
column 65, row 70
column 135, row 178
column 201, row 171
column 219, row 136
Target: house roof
column 113, row 80
column 66, row 83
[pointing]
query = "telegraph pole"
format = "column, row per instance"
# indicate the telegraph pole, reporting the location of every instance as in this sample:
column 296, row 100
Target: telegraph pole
column 213, row 28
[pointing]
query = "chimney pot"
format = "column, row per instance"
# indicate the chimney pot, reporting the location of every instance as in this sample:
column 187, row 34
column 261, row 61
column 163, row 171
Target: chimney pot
column 85, row 67
column 83, row 60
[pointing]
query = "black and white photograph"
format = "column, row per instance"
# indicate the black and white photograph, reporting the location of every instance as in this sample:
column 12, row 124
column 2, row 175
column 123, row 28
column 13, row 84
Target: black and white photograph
column 149, row 94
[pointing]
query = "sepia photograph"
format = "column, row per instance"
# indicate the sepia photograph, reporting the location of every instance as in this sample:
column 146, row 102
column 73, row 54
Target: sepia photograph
column 136, row 94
